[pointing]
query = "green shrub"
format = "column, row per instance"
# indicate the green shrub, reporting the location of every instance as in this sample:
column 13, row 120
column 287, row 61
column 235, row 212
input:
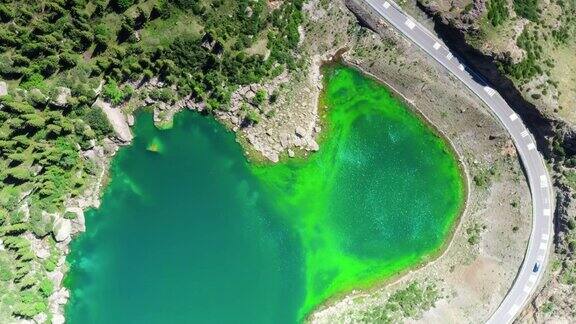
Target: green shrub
column 474, row 231
column 14, row 230
column 30, row 310
column 252, row 116
column 548, row 307
column 529, row 66
column 413, row 300
column 50, row 265
column 70, row 215
column 46, row 287
column 97, row 120
column 163, row 94
column 37, row 98
column 6, row 13
column 35, row 80
column 261, row 96
column 21, row 173
column 5, row 273
column 68, row 60
column 571, row 179
column 160, row 9
column 47, row 66
column 527, row 9
column 39, row 224
column 497, row 12
column 3, row 216
column 121, row 5
column 112, row 92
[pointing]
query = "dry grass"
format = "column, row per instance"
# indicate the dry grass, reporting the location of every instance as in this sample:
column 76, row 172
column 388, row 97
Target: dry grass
column 565, row 73
column 163, row 32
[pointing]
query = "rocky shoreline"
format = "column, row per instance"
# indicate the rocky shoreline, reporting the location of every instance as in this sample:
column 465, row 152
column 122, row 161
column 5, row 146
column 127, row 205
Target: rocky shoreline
column 299, row 134
column 65, row 230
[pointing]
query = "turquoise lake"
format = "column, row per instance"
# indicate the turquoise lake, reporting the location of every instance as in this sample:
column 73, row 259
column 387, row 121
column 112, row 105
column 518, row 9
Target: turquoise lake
column 190, row 232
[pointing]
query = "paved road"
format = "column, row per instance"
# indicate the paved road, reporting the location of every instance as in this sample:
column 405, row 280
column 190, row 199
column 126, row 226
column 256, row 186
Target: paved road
column 539, row 245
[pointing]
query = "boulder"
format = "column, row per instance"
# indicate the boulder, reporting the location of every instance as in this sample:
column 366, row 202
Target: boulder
column 40, row 318
column 297, row 142
column 58, row 319
column 284, row 139
column 62, row 97
column 62, row 229
column 37, row 96
column 57, row 276
column 78, row 221
column 61, row 296
column 312, row 145
column 3, row 88
column 99, row 88
column 117, row 119
column 249, row 95
column 300, row 131
column 272, row 156
column 130, row 120
column 43, row 254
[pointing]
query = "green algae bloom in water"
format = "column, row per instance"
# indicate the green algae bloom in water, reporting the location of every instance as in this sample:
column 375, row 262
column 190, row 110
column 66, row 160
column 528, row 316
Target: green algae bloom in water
column 197, row 234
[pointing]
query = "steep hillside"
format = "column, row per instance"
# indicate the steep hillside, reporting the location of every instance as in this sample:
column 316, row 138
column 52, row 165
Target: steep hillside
column 526, row 48
column 532, row 41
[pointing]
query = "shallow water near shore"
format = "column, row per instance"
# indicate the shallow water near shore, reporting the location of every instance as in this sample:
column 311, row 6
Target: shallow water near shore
column 188, row 231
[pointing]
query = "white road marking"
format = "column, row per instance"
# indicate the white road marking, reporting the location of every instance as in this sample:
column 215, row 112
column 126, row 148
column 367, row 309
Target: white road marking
column 540, row 258
column 512, row 300
column 489, row 91
column 449, row 56
column 527, row 288
column 543, row 181
column 513, row 117
column 410, row 24
column 461, row 67
column 542, row 246
column 524, row 133
column 386, row 5
column 546, row 212
column 545, row 237
column 436, row 45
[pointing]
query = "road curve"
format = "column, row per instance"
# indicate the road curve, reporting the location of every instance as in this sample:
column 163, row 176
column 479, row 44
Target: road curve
column 539, row 245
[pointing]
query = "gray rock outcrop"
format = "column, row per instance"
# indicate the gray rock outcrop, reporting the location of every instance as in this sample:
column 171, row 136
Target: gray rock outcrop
column 3, row 88
column 117, row 119
column 62, row 229
column 62, row 97
column 78, row 222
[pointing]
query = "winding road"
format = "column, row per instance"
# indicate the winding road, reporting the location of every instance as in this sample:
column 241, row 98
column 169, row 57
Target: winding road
column 539, row 245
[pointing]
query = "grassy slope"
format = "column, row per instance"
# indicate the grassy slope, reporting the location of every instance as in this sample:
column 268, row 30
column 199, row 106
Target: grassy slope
column 546, row 74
